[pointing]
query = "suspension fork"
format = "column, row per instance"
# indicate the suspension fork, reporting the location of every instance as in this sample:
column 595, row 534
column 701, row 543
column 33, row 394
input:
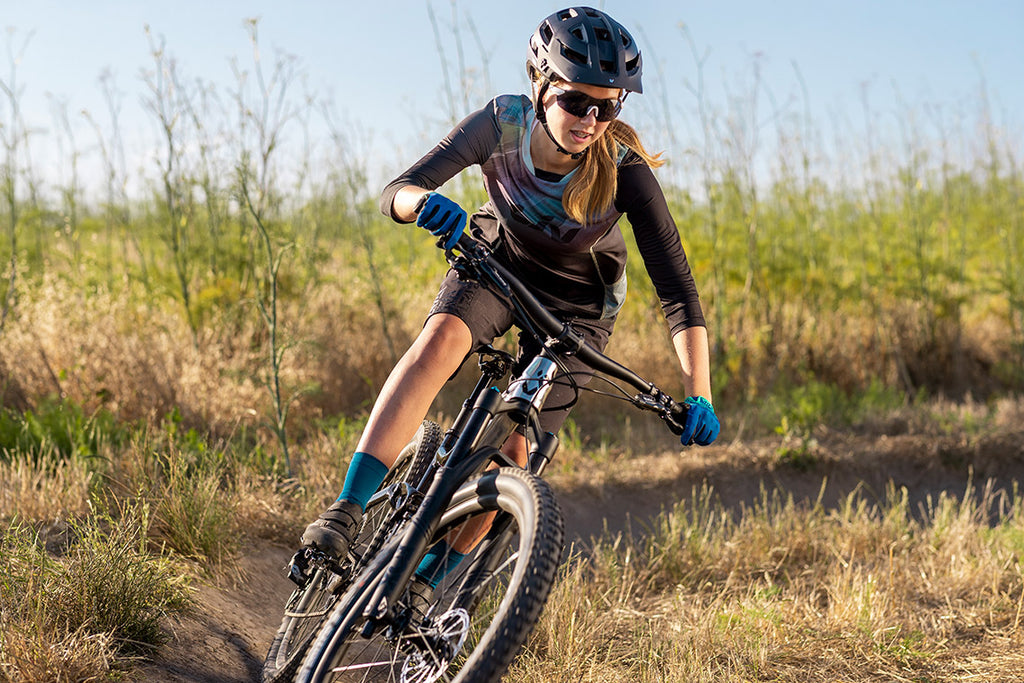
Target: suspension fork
column 493, row 366
column 477, row 435
column 458, row 465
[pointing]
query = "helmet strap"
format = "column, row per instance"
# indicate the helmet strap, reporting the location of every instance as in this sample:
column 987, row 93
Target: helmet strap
column 538, row 108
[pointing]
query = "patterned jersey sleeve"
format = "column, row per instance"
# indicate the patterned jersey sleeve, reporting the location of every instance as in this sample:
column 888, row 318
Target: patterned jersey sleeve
column 469, row 143
column 640, row 197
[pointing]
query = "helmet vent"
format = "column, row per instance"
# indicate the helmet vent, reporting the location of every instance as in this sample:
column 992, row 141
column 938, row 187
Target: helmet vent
column 603, row 34
column 547, row 33
column 607, row 67
column 632, row 63
column 574, row 56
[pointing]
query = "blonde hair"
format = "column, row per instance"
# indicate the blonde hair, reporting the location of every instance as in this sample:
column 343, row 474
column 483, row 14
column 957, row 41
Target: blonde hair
column 591, row 192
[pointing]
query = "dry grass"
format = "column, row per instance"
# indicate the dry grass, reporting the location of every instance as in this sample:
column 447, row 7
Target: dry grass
column 85, row 608
column 787, row 592
column 44, row 491
column 118, row 351
column 42, row 654
column 138, row 361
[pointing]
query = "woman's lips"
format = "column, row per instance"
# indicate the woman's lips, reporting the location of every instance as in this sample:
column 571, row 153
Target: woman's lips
column 580, row 137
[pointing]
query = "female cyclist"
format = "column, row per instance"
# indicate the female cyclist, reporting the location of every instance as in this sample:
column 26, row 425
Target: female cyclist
column 559, row 169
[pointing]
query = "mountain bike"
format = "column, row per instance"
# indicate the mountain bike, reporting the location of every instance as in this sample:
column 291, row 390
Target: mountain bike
column 369, row 617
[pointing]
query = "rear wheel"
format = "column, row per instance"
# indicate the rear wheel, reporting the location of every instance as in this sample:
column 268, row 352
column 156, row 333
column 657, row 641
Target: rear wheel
column 480, row 614
column 321, row 581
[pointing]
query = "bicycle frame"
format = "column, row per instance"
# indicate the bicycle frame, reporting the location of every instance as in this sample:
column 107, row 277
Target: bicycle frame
column 478, row 433
column 489, row 417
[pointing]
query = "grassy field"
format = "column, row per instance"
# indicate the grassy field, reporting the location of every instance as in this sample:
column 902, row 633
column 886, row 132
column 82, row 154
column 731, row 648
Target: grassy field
column 186, row 371
column 861, row 582
column 789, row 593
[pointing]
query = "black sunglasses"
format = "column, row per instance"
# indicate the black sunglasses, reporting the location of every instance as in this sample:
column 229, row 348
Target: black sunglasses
column 579, row 104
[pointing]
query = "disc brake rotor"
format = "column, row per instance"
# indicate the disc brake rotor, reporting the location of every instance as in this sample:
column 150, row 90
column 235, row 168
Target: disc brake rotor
column 446, row 638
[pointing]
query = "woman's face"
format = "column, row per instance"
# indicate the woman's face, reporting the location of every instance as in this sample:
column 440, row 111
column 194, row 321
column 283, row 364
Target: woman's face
column 573, row 132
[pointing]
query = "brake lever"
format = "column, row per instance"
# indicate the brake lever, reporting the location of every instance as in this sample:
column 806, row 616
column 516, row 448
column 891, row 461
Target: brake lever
column 673, row 413
column 676, row 417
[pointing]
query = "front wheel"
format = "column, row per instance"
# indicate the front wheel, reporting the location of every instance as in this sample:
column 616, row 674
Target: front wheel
column 480, row 614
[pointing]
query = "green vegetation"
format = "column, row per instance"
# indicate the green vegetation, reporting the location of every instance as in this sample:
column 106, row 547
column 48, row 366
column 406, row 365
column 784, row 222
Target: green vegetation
column 187, row 368
column 84, row 611
column 56, row 430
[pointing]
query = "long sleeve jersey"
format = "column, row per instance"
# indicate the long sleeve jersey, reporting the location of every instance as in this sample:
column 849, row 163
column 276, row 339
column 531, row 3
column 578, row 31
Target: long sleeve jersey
column 577, row 269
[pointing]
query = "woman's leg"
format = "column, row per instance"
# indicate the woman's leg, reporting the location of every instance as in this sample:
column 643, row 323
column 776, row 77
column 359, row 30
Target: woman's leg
column 442, row 345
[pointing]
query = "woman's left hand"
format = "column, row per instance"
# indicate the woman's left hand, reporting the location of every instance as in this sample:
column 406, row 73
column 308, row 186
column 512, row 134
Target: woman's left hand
column 702, row 424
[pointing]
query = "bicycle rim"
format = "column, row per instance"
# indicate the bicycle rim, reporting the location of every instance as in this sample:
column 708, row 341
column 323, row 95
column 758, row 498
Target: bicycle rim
column 303, row 613
column 481, row 613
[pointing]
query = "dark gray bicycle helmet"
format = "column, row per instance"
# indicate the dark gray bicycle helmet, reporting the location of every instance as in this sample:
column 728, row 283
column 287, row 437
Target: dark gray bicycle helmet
column 585, row 45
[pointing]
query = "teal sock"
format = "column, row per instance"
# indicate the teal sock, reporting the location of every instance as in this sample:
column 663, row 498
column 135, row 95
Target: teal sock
column 438, row 563
column 365, row 475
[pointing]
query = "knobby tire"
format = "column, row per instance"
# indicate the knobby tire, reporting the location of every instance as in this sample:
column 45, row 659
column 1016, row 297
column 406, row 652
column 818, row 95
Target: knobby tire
column 512, row 571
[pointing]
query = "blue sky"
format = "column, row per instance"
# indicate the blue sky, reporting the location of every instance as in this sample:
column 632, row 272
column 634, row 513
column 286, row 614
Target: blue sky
column 380, row 61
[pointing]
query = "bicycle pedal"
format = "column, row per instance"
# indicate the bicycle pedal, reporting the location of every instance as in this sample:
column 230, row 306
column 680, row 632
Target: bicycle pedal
column 298, row 569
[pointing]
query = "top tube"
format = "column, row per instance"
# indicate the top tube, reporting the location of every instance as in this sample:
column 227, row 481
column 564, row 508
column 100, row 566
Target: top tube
column 482, row 263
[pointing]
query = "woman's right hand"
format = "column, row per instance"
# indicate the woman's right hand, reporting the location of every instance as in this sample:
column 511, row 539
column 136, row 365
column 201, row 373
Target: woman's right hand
column 442, row 218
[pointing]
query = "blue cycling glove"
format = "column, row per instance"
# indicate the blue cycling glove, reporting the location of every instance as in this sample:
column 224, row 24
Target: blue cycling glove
column 442, row 218
column 702, row 424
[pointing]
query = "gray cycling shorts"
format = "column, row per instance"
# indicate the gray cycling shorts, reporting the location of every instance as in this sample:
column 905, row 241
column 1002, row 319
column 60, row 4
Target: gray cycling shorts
column 489, row 316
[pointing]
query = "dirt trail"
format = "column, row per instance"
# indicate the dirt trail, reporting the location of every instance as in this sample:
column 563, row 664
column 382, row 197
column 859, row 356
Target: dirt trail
column 225, row 639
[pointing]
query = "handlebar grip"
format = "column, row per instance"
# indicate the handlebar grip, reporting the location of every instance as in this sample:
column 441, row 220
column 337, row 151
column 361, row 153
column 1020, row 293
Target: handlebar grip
column 466, row 243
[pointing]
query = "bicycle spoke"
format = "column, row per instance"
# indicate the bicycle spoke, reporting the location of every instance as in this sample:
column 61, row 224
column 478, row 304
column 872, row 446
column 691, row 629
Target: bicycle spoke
column 479, row 615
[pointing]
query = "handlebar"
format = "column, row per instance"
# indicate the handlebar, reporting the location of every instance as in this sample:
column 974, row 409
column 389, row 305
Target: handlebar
column 471, row 256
